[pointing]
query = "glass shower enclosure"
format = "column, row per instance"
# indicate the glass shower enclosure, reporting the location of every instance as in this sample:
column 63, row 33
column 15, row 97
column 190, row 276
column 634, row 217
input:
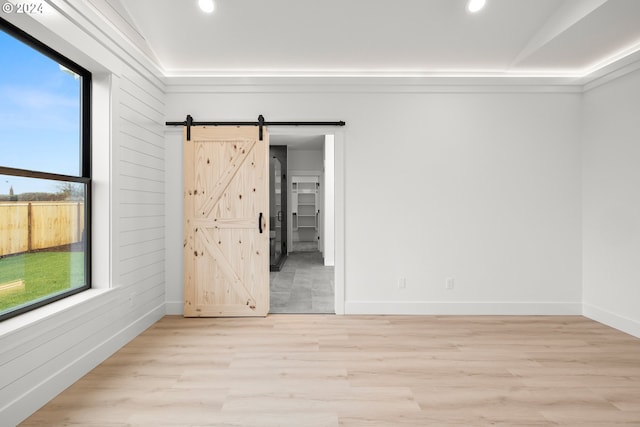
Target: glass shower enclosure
column 277, row 206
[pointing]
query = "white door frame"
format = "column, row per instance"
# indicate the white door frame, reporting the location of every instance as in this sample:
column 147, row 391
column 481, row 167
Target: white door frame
column 339, row 213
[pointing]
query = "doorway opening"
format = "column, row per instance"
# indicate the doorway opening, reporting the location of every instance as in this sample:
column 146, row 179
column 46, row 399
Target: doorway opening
column 304, row 280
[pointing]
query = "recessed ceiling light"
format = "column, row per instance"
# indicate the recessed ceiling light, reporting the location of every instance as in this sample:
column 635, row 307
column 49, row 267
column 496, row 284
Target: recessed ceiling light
column 207, row 6
column 474, row 6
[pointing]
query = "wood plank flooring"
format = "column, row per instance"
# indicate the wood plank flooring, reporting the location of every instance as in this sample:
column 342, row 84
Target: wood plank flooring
column 353, row 371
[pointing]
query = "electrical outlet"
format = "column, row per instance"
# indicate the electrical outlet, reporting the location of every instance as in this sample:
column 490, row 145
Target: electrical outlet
column 449, row 283
column 402, row 283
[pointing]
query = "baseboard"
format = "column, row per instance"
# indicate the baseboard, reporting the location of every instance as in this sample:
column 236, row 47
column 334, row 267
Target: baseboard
column 624, row 324
column 462, row 308
column 21, row 408
column 174, row 307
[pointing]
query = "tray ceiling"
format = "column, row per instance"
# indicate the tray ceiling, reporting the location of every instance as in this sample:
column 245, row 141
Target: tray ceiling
column 374, row 37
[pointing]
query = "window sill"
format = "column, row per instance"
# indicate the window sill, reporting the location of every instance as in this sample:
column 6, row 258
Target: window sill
column 48, row 311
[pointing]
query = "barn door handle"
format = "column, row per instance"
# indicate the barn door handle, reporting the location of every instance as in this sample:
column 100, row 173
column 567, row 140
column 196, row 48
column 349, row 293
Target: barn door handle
column 260, row 223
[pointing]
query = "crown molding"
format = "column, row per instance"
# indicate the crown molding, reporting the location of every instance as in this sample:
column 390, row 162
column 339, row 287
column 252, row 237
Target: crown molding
column 242, row 81
column 615, row 70
column 369, row 84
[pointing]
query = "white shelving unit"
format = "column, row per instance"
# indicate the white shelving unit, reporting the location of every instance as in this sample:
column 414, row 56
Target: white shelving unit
column 304, row 208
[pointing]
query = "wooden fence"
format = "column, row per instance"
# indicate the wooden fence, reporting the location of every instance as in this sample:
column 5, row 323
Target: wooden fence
column 30, row 226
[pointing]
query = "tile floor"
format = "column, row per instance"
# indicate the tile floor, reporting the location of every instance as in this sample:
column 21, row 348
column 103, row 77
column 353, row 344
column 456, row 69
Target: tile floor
column 303, row 285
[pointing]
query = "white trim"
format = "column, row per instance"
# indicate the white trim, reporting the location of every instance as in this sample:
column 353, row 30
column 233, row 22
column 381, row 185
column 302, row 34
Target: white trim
column 102, row 191
column 621, row 323
column 339, row 146
column 329, row 234
column 607, row 74
column 515, row 308
column 566, row 74
column 200, row 85
column 462, row 82
column 339, row 213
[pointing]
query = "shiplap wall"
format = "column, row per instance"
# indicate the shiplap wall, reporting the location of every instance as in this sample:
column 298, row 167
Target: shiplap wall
column 45, row 351
column 140, row 171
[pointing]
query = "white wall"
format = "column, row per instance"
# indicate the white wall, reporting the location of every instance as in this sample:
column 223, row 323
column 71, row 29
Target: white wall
column 481, row 187
column 46, row 350
column 305, row 161
column 611, row 203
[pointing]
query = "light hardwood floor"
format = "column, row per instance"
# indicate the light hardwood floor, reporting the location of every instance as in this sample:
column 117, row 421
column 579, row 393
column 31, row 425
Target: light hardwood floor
column 322, row 370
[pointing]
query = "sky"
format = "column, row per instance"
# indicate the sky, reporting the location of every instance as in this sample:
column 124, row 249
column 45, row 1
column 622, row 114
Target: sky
column 39, row 117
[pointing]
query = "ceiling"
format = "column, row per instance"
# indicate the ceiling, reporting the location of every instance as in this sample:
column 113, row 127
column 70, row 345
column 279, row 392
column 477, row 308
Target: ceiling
column 375, row 37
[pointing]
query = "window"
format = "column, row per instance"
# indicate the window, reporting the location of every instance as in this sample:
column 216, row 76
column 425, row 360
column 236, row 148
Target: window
column 45, row 174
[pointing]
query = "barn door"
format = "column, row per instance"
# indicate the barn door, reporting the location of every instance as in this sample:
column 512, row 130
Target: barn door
column 226, row 246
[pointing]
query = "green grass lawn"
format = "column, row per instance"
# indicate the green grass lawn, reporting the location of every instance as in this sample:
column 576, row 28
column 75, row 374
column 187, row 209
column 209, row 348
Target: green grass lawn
column 43, row 273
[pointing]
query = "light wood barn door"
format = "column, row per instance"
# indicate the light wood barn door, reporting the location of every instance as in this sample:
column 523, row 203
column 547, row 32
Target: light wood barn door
column 226, row 234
